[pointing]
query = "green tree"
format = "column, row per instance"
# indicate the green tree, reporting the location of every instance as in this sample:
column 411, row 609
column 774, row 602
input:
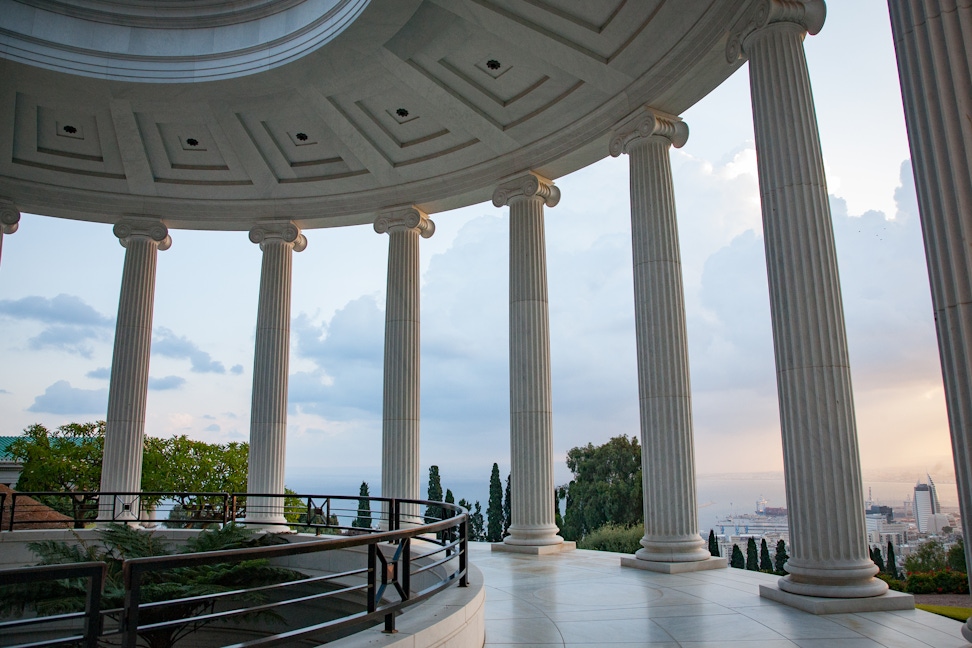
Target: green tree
column 737, row 559
column 752, row 557
column 606, row 487
column 508, row 505
column 434, row 513
column 363, row 520
column 779, row 560
column 930, row 556
column 765, row 564
column 65, row 459
column 713, row 543
column 892, row 563
column 877, row 558
column 476, row 530
column 121, row 542
column 494, row 510
column 560, row 492
column 956, row 556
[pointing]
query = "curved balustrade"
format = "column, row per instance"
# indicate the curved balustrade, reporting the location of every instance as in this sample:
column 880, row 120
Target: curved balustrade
column 390, row 575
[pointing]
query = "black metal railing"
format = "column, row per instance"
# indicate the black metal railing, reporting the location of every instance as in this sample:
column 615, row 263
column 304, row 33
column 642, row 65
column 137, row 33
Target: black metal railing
column 402, row 547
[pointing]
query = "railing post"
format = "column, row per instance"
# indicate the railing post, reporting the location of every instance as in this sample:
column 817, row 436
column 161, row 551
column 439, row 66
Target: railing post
column 226, row 497
column 3, row 500
column 133, row 583
column 13, row 509
column 92, row 608
column 406, row 574
column 372, row 577
column 464, row 551
column 395, row 523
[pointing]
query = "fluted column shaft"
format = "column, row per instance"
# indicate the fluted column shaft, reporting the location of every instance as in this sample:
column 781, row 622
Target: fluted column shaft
column 531, row 412
column 829, row 554
column 271, row 360
column 668, row 453
column 933, row 41
column 128, row 387
column 9, row 220
column 400, row 468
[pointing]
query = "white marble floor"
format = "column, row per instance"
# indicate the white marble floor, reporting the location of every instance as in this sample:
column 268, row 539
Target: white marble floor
column 583, row 599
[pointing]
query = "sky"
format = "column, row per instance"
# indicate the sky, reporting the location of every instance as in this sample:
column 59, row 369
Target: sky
column 59, row 285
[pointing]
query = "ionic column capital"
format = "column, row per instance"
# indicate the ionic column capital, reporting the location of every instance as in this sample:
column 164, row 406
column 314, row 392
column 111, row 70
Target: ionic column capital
column 286, row 232
column 809, row 15
column 407, row 218
column 150, row 228
column 645, row 123
column 9, row 217
column 528, row 185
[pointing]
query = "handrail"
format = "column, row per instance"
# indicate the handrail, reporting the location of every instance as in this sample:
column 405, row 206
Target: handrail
column 380, row 571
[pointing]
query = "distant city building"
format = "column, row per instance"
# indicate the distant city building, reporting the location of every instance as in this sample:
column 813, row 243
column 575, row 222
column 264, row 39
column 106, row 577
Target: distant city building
column 926, row 502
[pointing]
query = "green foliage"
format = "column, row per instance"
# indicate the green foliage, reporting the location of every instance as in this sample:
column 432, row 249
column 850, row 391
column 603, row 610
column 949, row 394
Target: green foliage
column 606, row 487
column 937, row 582
column 363, row 520
column 713, row 543
column 752, row 557
column 877, row 558
column 613, row 537
column 765, row 564
column 957, row 613
column 892, row 563
column 65, row 459
column 930, row 556
column 494, row 509
column 121, row 542
column 508, row 505
column 476, row 522
column 183, row 465
column 737, row 559
column 779, row 560
column 956, row 556
column 434, row 513
column 893, row 583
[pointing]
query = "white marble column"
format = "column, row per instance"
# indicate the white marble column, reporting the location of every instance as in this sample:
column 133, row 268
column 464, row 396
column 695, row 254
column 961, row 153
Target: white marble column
column 531, row 413
column 668, row 453
column 128, row 387
column 271, row 361
column 829, row 554
column 933, row 41
column 400, row 472
column 9, row 220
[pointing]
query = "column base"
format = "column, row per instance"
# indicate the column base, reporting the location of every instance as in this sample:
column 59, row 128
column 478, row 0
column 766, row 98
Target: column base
column 533, row 535
column 534, row 550
column 674, row 567
column 967, row 630
column 890, row 600
column 851, row 581
column 690, row 549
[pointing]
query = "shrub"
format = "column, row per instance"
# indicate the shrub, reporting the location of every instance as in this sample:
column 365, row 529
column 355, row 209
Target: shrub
column 938, row 582
column 893, row 583
column 613, row 537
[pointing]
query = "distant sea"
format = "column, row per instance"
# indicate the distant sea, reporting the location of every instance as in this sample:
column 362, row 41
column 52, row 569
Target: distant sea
column 718, row 495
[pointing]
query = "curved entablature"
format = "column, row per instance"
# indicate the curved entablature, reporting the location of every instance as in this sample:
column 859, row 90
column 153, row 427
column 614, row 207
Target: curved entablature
column 430, row 103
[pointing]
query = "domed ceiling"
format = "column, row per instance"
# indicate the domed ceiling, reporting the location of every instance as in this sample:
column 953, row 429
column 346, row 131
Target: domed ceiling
column 216, row 115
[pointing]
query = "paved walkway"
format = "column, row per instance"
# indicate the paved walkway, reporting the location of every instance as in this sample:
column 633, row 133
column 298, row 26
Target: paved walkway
column 585, row 598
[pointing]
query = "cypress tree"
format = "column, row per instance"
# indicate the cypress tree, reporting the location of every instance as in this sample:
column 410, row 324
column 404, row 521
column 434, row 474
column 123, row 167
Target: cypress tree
column 363, row 520
column 892, row 564
column 765, row 564
column 779, row 561
column 752, row 557
column 494, row 510
column 877, row 558
column 434, row 513
column 737, row 559
column 713, row 544
column 507, row 507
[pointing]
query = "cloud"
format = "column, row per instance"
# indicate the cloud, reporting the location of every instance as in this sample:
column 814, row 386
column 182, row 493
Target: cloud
column 166, row 383
column 168, row 344
column 4, row 391
column 101, row 373
column 62, row 398
column 71, row 324
column 212, row 428
column 236, row 369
